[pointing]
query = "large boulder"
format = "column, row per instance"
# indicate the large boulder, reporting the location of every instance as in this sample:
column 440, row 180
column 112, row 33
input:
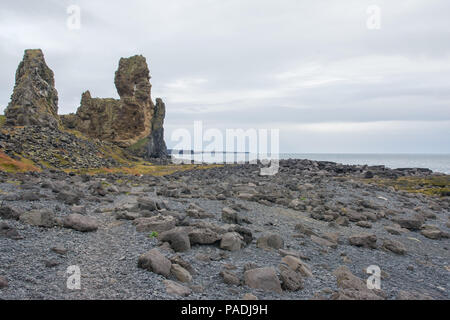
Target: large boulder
column 270, row 241
column 81, row 223
column 412, row 223
column 366, row 240
column 34, row 100
column 203, row 236
column 231, row 241
column 40, row 218
column 7, row 212
column 177, row 238
column 157, row 223
column 263, row 278
column 181, row 273
column 394, row 246
column 156, row 262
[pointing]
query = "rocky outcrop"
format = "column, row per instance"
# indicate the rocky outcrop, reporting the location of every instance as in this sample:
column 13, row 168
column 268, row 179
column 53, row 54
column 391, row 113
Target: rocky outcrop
column 58, row 149
column 156, row 147
column 132, row 121
column 34, row 100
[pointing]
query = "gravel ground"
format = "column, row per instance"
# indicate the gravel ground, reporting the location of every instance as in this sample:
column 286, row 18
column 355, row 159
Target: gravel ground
column 108, row 256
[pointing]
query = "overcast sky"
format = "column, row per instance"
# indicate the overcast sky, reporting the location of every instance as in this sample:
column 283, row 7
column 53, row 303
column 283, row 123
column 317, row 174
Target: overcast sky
column 313, row 69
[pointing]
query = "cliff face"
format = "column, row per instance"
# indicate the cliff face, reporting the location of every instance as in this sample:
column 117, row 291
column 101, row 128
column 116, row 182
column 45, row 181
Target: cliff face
column 133, row 120
column 34, row 100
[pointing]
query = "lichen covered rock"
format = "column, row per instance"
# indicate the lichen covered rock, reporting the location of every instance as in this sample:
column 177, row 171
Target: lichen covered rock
column 34, row 100
column 132, row 121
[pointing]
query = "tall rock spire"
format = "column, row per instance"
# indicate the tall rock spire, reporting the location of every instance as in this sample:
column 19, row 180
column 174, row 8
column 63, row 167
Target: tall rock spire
column 34, row 100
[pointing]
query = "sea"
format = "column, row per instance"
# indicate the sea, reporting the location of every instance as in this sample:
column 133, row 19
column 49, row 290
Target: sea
column 436, row 162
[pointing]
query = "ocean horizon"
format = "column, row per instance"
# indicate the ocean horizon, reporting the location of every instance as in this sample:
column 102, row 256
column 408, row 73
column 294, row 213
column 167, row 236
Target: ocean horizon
column 436, row 162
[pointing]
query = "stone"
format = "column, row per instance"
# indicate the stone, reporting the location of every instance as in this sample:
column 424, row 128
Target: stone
column 3, row 282
column 147, row 204
column 156, row 262
column 354, row 216
column 290, row 279
column 411, row 223
column 34, row 100
column 30, row 196
column 127, row 215
column 176, row 259
column 9, row 232
column 181, row 273
column 40, row 218
column 203, row 236
column 230, row 216
column 176, row 289
column 301, row 228
column 353, row 288
column 271, row 241
column 364, row 240
column 432, row 232
column 159, row 223
column 250, row 266
column 198, row 214
column 68, row 198
column 80, row 223
column 7, row 212
column 51, row 263
column 230, row 277
column 244, row 232
column 249, row 296
column 285, row 253
column 324, row 242
column 342, row 221
column 297, row 265
column 263, row 278
column 364, row 224
column 395, row 229
column 59, row 250
column 177, row 238
column 394, row 246
column 231, row 241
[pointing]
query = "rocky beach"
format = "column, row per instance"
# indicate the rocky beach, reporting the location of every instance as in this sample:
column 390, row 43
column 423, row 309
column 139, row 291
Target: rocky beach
column 95, row 191
column 308, row 232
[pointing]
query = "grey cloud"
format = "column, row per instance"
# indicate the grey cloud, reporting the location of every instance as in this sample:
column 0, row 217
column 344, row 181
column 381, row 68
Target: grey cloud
column 240, row 49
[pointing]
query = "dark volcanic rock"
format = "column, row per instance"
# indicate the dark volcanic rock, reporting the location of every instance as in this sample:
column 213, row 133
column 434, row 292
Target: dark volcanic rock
column 80, row 223
column 9, row 232
column 35, row 99
column 156, row 147
column 133, row 121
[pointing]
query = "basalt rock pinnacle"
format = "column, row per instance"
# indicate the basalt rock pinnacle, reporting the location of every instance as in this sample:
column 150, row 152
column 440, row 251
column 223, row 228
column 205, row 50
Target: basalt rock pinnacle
column 34, row 100
column 133, row 120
